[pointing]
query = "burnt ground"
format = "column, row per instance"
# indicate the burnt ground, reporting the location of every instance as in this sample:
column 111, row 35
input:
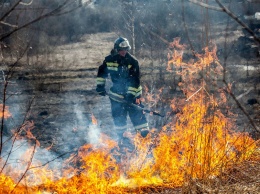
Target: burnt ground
column 58, row 89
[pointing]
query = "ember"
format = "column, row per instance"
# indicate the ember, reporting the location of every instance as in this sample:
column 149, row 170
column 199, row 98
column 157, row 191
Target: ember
column 94, row 120
column 201, row 144
column 4, row 111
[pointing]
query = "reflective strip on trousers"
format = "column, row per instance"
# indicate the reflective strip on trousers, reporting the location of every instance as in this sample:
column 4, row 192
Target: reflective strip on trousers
column 118, row 97
column 139, row 127
column 120, row 130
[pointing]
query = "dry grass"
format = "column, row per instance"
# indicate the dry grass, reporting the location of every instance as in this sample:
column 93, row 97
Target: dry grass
column 243, row 179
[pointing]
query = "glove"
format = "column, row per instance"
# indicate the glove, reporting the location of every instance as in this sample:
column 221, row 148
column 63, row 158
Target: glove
column 129, row 98
column 101, row 90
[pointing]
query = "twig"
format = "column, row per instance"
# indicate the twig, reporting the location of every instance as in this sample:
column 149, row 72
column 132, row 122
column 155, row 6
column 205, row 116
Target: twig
column 186, row 30
column 15, row 136
column 3, row 116
column 52, row 160
column 7, row 24
column 197, row 92
column 9, row 153
column 205, row 5
column 8, row 12
column 226, row 10
column 3, row 75
column 154, row 34
column 194, row 94
column 28, row 166
column 241, row 95
column 206, row 91
column 241, row 107
column 49, row 14
column 22, row 3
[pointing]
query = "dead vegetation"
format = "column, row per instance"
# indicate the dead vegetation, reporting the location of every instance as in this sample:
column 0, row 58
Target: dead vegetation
column 56, row 90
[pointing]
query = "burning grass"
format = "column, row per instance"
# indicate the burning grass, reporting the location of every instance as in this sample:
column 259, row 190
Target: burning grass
column 201, row 156
column 198, row 151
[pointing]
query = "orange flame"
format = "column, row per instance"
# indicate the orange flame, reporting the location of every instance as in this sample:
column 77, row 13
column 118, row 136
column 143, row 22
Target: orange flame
column 4, row 113
column 175, row 55
column 152, row 97
column 94, row 120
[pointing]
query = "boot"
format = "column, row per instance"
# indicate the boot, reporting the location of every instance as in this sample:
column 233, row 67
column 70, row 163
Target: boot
column 144, row 132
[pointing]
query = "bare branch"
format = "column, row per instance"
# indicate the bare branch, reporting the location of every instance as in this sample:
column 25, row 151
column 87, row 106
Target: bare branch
column 8, row 12
column 226, row 10
column 56, row 11
column 48, row 162
column 22, row 3
column 241, row 107
column 28, row 166
column 7, row 24
column 186, row 29
column 245, row 93
column 205, row 5
column 154, row 34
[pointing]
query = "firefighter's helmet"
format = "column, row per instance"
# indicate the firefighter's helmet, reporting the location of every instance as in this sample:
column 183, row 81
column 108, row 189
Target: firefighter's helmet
column 121, row 44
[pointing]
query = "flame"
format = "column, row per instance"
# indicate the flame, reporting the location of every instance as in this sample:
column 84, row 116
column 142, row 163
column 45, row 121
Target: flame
column 4, row 111
column 94, row 120
column 151, row 96
column 26, row 129
column 49, row 147
column 175, row 55
column 200, row 143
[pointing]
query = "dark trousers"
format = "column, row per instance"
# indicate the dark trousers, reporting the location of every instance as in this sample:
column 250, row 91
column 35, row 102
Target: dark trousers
column 119, row 114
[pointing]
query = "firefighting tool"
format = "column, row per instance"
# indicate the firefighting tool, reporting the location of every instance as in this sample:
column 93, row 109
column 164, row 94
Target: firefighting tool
column 136, row 106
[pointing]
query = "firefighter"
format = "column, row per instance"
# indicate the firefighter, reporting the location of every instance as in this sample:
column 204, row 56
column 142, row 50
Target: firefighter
column 123, row 69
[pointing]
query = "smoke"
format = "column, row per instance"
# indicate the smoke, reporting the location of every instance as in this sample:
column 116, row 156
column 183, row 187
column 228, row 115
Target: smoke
column 94, row 134
column 90, row 130
column 20, row 156
column 79, row 128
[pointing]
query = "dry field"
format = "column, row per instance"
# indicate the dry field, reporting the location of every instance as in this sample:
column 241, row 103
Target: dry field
column 61, row 84
column 59, row 88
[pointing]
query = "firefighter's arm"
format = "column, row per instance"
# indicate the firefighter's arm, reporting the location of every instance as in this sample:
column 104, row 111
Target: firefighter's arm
column 101, row 79
column 134, row 90
column 133, row 94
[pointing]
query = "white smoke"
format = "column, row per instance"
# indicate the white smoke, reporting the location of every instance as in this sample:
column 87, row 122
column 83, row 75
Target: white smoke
column 22, row 156
column 94, row 134
column 89, row 131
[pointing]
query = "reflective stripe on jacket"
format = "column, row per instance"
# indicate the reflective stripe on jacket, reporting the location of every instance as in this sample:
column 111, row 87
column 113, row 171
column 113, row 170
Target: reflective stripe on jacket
column 124, row 73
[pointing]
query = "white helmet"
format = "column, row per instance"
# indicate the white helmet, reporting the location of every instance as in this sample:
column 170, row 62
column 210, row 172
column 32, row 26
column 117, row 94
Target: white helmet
column 121, row 44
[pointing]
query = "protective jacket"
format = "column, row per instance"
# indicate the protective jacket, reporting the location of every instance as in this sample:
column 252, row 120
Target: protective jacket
column 124, row 73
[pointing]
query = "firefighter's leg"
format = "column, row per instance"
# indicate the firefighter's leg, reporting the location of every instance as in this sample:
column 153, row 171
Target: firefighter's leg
column 139, row 121
column 119, row 114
